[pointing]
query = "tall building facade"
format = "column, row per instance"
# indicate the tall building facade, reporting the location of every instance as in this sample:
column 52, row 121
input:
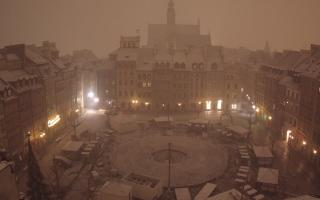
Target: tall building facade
column 178, row 69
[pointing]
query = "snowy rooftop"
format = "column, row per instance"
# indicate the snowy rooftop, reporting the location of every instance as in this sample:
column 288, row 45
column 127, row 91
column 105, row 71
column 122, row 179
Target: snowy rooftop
column 3, row 165
column 227, row 195
column 12, row 57
column 262, row 152
column 304, row 197
column 114, row 189
column 72, row 146
column 35, row 57
column 14, row 75
column 182, row 194
column 142, row 180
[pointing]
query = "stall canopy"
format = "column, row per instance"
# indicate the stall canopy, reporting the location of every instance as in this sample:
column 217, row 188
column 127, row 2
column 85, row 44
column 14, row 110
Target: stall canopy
column 114, row 190
column 232, row 194
column 205, row 191
column 304, row 197
column 268, row 176
column 242, row 132
column 262, row 152
column 163, row 119
column 199, row 121
column 183, row 194
column 72, row 146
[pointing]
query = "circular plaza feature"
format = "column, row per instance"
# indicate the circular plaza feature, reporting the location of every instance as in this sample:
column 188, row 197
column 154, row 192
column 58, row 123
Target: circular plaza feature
column 194, row 160
column 175, row 156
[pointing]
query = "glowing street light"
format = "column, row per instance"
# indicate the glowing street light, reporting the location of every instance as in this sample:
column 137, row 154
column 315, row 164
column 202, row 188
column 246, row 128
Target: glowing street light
column 146, row 103
column 179, row 104
column 304, row 143
column 288, row 135
column 219, row 105
column 208, row 105
column 254, row 107
column 257, row 110
column 90, row 95
column 199, row 102
column 96, row 100
column 270, row 118
column 234, row 106
column 42, row 135
column 54, row 121
column 315, row 151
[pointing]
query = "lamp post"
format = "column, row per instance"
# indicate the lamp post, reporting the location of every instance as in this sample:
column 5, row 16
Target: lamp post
column 199, row 108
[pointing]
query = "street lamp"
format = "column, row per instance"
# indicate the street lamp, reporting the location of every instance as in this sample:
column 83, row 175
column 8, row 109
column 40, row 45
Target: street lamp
column 199, row 110
column 96, row 100
column 90, row 94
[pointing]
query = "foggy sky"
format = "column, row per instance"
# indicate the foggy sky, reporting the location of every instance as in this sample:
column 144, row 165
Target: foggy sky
column 98, row 24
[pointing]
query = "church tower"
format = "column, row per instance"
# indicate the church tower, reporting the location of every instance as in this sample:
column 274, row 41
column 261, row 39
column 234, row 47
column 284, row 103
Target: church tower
column 171, row 14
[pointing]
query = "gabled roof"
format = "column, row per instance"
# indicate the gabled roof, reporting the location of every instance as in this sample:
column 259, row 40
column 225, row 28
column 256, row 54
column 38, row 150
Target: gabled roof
column 14, row 75
column 35, row 57
column 289, row 82
column 126, row 54
column 114, row 189
column 12, row 57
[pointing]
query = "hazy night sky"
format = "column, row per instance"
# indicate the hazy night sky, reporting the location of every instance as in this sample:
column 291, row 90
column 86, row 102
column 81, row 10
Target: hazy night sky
column 98, row 24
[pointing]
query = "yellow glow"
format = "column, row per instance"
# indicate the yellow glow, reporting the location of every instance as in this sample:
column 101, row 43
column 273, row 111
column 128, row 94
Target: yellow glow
column 288, row 135
column 146, row 103
column 234, row 106
column 42, row 135
column 304, row 143
column 90, row 94
column 254, row 107
column 257, row 110
column 179, row 104
column 77, row 110
column 219, row 105
column 96, row 100
column 91, row 111
column 135, row 101
column 270, row 117
column 163, row 105
column 199, row 102
column 54, row 121
column 315, row 151
column 208, row 105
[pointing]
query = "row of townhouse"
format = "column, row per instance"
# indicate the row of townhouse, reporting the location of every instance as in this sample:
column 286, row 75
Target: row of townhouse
column 37, row 96
column 194, row 79
column 287, row 95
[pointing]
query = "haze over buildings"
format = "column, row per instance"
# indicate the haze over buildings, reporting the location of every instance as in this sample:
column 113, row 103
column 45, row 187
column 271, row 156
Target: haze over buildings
column 154, row 104
column 96, row 25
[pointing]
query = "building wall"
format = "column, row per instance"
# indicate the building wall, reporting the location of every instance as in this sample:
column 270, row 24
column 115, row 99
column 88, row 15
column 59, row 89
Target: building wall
column 8, row 191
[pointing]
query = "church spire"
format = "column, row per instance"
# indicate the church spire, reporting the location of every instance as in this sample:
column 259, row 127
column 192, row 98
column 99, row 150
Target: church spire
column 171, row 14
